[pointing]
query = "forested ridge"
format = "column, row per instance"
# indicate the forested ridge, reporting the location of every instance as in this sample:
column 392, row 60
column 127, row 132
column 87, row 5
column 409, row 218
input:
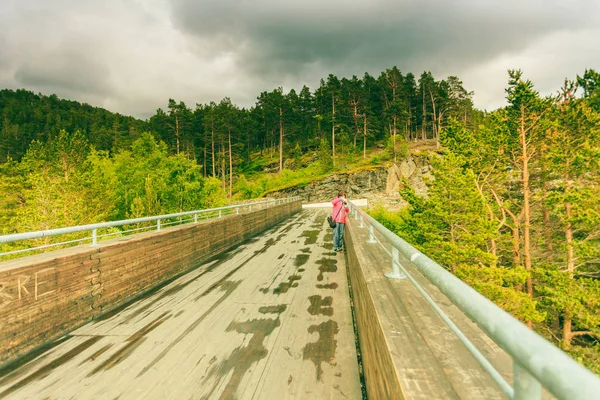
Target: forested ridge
column 513, row 209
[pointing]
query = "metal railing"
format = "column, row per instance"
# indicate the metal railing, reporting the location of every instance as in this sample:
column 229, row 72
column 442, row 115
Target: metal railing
column 157, row 222
column 537, row 363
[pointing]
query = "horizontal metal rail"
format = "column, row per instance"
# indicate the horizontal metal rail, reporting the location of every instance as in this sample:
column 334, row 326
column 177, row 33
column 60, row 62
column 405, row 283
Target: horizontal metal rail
column 536, row 361
column 218, row 212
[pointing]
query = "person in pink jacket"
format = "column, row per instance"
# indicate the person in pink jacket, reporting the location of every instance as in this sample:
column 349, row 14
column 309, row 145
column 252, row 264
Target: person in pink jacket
column 340, row 208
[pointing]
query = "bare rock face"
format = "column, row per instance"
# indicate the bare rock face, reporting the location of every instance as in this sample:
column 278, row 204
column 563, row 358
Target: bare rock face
column 381, row 185
column 394, row 181
column 408, row 167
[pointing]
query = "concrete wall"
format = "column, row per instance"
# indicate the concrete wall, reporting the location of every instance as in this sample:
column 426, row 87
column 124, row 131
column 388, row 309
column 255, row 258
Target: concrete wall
column 42, row 297
column 379, row 370
column 408, row 351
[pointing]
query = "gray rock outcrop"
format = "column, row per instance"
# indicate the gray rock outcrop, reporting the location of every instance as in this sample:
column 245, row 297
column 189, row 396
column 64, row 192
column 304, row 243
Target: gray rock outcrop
column 379, row 185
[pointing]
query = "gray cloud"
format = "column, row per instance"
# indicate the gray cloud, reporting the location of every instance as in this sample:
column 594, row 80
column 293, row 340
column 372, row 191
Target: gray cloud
column 276, row 38
column 133, row 56
column 70, row 72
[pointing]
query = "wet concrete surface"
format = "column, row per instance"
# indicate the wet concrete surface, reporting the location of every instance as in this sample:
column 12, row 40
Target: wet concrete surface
column 268, row 320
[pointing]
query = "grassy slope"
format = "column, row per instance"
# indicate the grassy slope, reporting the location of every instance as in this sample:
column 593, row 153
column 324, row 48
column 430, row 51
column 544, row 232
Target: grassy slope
column 258, row 183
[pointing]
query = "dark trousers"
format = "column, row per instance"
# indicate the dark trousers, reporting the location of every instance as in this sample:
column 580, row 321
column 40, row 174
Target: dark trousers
column 338, row 236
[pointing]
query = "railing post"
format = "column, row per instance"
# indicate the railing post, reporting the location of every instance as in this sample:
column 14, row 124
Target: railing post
column 94, row 237
column 237, row 210
column 220, row 213
column 249, row 207
column 526, row 386
column 362, row 222
column 372, row 238
column 158, row 224
column 395, row 274
column 195, row 218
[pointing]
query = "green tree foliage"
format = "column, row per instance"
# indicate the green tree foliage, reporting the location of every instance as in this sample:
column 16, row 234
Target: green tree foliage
column 66, row 182
column 522, row 189
column 26, row 116
column 324, row 156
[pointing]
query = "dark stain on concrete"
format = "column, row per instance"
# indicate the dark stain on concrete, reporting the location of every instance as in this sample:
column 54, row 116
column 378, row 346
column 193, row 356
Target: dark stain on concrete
column 285, row 286
column 242, row 358
column 281, row 256
column 301, row 259
column 278, row 309
column 310, row 236
column 332, row 285
column 328, row 246
column 216, row 261
column 323, row 350
column 332, row 254
column 48, row 368
column 133, row 342
column 301, row 270
column 264, row 290
column 289, row 227
column 97, row 354
column 326, row 265
column 289, row 351
column 226, row 286
column 305, row 250
column 270, row 242
column 24, row 364
column 320, row 305
column 179, row 313
column 290, row 379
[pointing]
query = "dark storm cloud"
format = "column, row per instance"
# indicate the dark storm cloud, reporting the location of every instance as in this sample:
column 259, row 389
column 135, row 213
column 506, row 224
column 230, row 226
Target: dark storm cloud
column 277, row 37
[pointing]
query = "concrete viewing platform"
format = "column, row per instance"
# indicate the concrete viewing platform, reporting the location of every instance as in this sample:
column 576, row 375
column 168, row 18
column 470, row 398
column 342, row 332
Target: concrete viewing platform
column 270, row 319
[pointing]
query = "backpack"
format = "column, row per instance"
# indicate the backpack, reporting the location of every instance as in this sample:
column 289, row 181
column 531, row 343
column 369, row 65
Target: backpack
column 331, row 222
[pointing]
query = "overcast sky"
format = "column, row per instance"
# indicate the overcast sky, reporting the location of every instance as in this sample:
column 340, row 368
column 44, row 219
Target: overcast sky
column 131, row 56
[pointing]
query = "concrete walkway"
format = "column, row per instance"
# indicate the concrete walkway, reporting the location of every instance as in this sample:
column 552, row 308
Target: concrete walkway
column 268, row 320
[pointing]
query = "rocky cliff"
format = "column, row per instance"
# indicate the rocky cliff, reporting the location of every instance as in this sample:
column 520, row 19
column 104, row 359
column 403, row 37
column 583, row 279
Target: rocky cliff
column 379, row 185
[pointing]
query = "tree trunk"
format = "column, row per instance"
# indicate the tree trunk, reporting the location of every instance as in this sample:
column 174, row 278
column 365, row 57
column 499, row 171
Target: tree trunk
column 394, row 138
column 567, row 329
column 333, row 129
column 177, row 132
column 280, row 139
column 435, row 122
column 230, row 165
column 526, row 198
column 526, row 211
column 567, row 321
column 424, row 123
column 204, row 171
column 546, row 216
column 223, row 165
column 365, row 137
column 356, row 115
column 213, row 148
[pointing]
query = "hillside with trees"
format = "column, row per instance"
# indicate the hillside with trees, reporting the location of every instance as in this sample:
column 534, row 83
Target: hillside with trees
column 513, row 209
